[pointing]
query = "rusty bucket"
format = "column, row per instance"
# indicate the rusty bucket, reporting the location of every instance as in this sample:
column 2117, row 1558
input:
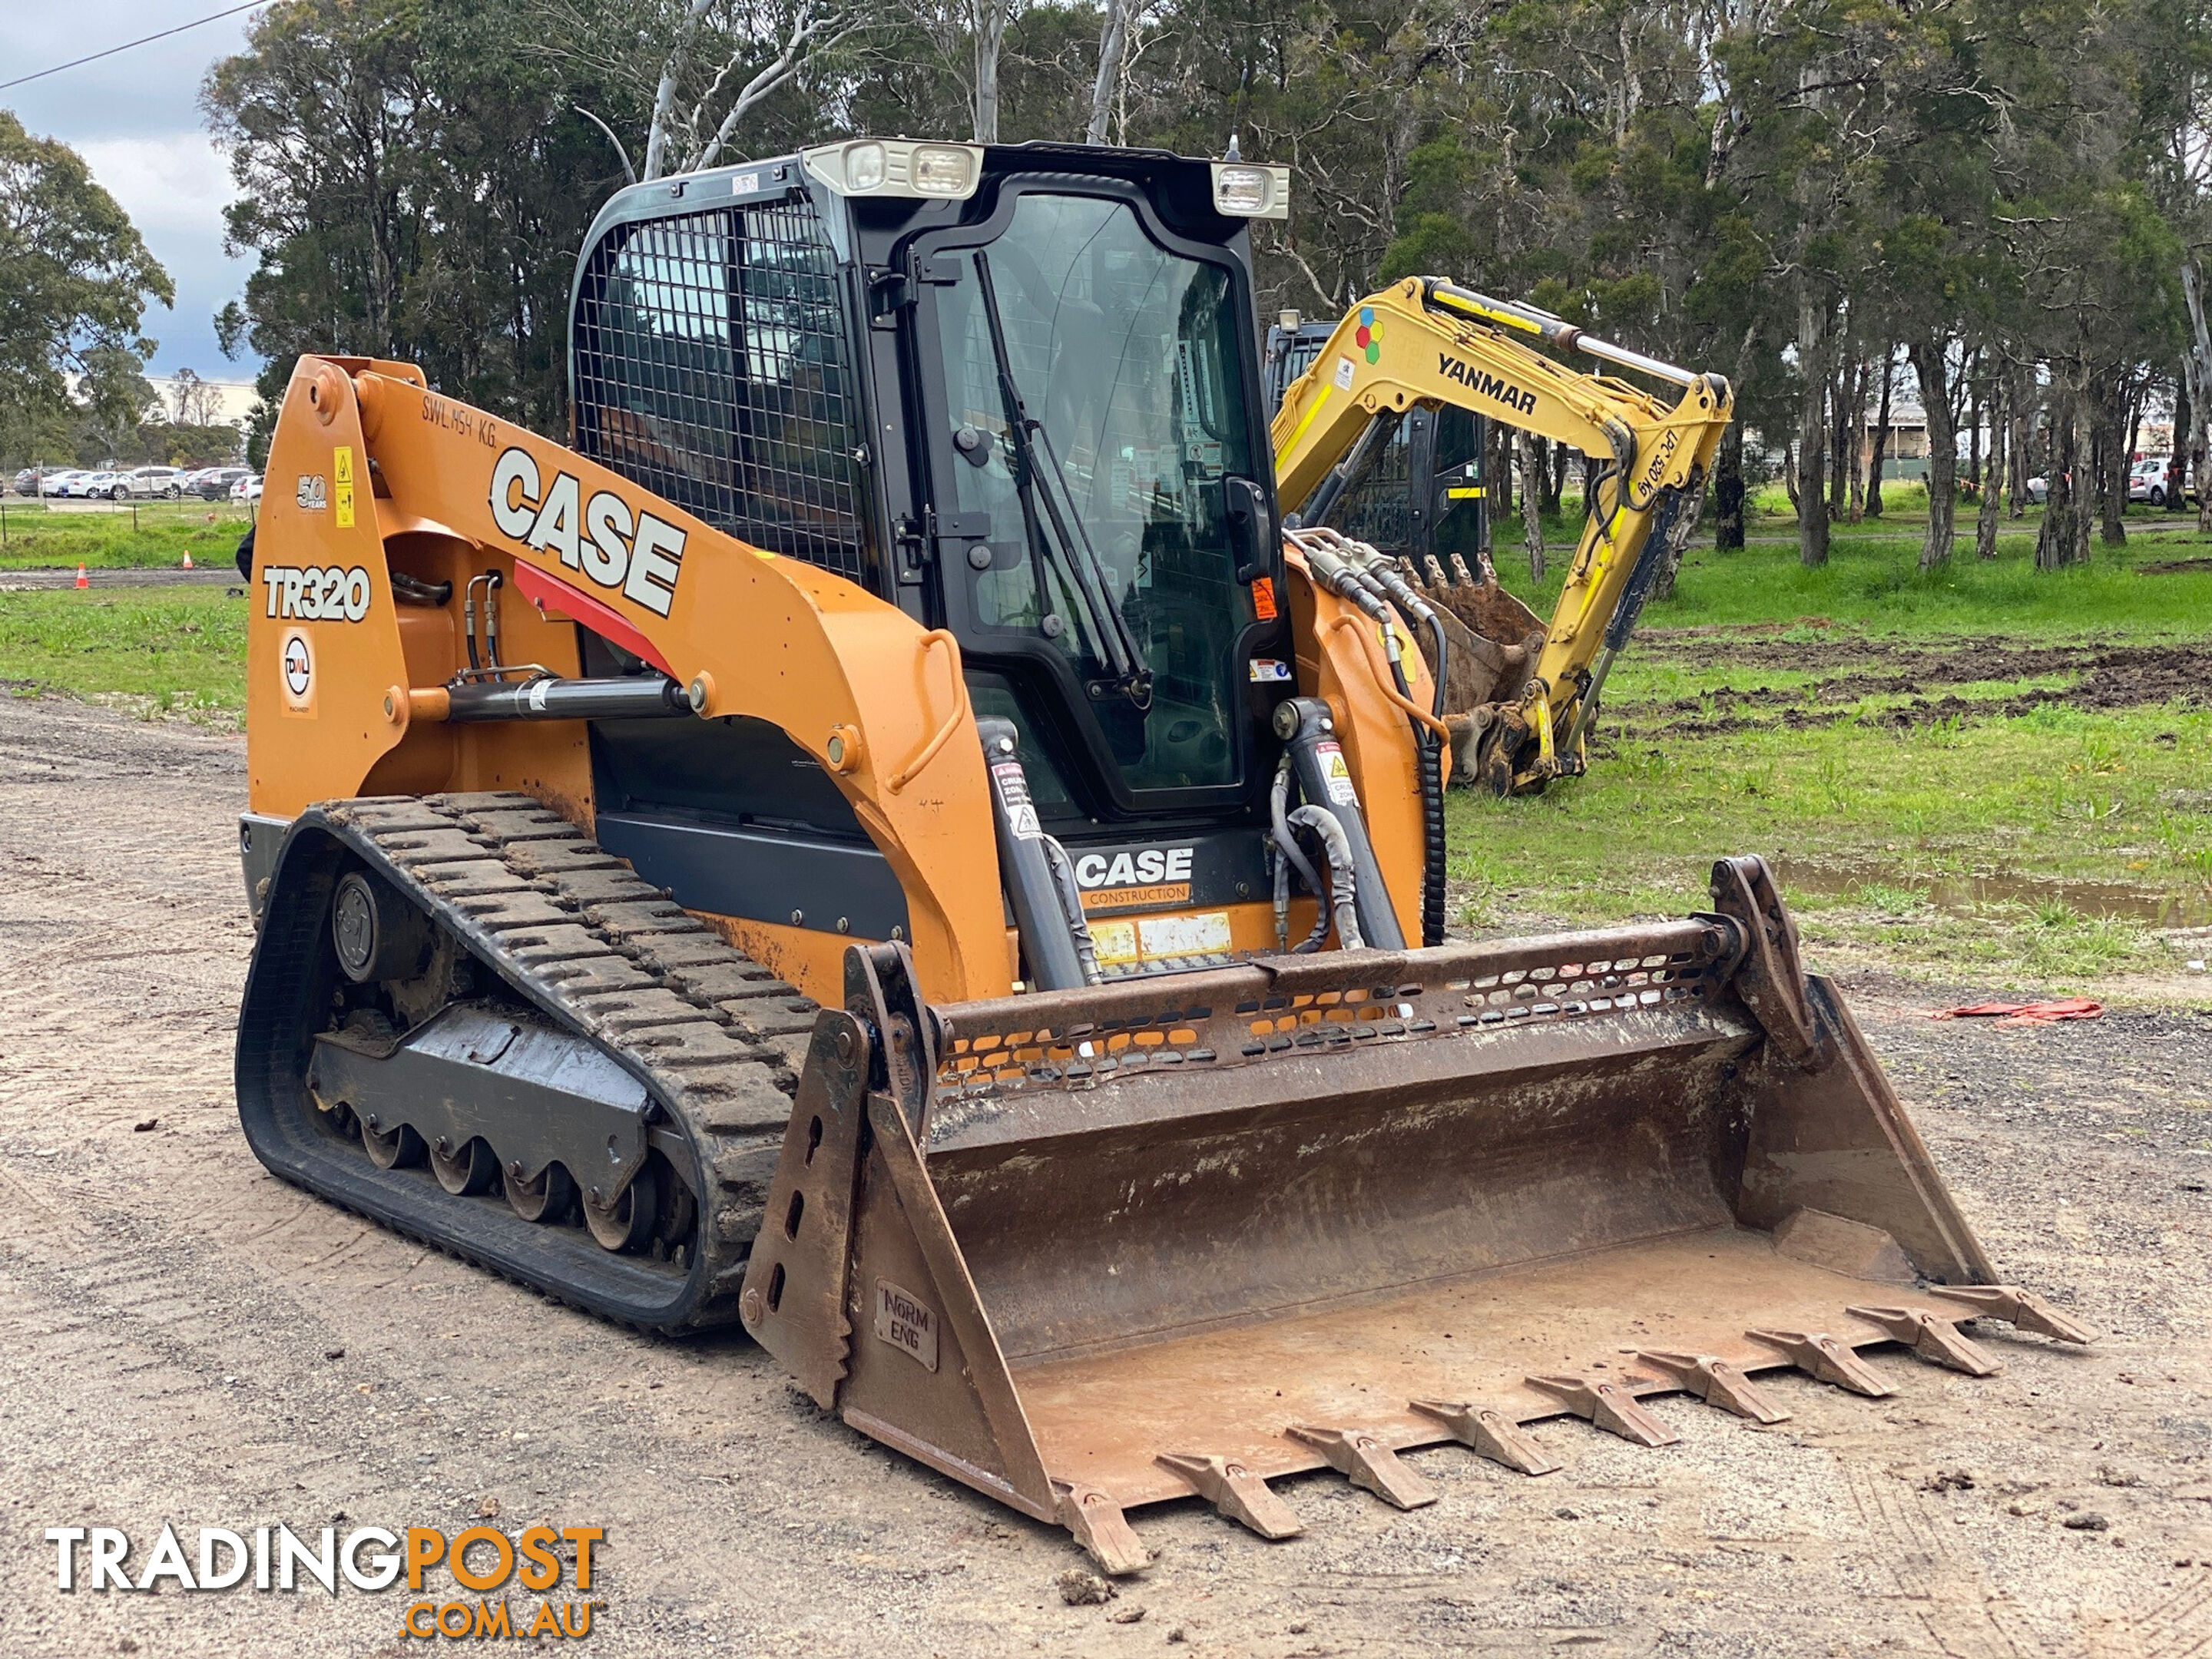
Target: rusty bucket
column 1176, row 1236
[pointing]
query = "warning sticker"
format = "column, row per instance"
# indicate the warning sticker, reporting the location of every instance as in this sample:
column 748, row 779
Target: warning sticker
column 1263, row 598
column 907, row 1322
column 342, row 486
column 1344, row 374
column 1014, row 791
column 1204, row 934
column 1337, row 775
column 1267, row 669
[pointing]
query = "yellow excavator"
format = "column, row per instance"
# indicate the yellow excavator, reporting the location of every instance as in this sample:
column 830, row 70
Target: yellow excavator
column 1520, row 695
column 882, row 840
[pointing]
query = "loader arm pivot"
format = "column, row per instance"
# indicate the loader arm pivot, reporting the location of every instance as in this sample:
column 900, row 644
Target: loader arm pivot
column 1424, row 342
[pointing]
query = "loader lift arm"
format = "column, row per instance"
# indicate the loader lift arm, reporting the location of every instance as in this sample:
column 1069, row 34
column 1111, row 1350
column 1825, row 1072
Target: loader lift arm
column 1425, row 341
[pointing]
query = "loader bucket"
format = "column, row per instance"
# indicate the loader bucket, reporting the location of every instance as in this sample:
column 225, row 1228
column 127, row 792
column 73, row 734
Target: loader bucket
column 1180, row 1235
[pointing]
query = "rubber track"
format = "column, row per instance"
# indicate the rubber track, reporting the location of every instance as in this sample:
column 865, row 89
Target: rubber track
column 718, row 1037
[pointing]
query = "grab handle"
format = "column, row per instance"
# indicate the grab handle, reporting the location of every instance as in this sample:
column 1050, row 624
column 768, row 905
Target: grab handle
column 907, row 773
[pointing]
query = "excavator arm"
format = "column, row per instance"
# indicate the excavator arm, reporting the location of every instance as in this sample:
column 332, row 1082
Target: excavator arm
column 1427, row 342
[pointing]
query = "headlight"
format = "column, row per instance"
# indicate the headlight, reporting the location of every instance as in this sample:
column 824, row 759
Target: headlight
column 896, row 167
column 864, row 168
column 943, row 170
column 1245, row 191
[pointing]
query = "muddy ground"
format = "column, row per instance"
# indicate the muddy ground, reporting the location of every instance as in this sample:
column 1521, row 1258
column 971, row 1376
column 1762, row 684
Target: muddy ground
column 2102, row 677
column 187, row 1339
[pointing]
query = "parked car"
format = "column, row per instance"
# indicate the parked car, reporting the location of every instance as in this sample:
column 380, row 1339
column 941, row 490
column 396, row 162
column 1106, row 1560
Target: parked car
column 247, row 489
column 2147, row 480
column 103, row 486
column 215, row 483
column 2038, row 490
column 149, row 481
column 27, row 482
column 59, row 485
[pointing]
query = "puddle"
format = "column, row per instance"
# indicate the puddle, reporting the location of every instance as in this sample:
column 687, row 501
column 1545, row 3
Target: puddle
column 1961, row 895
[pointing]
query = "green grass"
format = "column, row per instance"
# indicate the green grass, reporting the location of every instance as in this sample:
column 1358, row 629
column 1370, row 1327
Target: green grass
column 1882, row 822
column 1872, row 581
column 110, row 539
column 157, row 650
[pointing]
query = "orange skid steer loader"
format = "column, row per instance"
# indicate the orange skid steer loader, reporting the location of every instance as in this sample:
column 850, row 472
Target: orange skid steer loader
column 884, row 839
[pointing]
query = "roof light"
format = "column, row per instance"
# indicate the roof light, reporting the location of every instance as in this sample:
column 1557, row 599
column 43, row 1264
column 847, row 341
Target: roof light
column 863, row 168
column 896, row 167
column 942, row 170
column 1244, row 191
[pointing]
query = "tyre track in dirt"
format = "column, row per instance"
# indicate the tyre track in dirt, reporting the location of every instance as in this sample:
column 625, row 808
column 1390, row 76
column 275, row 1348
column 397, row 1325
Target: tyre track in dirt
column 191, row 1340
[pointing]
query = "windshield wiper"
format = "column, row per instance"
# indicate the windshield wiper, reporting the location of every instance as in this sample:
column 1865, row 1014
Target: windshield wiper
column 1035, row 484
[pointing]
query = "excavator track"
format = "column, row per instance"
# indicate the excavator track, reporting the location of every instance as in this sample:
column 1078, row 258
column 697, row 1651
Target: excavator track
column 565, row 933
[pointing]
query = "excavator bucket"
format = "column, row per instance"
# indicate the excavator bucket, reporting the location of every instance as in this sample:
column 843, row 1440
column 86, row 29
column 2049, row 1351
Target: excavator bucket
column 1180, row 1236
column 1495, row 641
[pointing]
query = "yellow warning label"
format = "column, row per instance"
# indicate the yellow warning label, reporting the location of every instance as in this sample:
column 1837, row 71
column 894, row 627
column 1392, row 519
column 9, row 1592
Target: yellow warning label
column 342, row 486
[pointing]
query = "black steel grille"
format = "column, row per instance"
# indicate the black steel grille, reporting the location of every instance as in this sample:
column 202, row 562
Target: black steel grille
column 712, row 367
column 1376, row 509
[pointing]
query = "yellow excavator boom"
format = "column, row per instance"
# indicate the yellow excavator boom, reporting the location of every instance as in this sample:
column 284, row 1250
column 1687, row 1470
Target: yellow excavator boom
column 1427, row 341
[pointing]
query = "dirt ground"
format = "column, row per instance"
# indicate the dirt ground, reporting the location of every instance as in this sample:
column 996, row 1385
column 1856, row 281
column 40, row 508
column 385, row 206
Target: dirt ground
column 2103, row 677
column 186, row 1340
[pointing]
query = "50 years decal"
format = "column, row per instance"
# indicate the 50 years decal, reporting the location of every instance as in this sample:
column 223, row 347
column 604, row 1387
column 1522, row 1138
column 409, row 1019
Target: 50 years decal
column 317, row 594
column 635, row 553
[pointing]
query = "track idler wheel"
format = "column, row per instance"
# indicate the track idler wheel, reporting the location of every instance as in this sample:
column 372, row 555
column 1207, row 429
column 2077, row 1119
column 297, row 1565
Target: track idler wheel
column 549, row 1197
column 377, row 933
column 630, row 1221
column 399, row 1148
column 471, row 1168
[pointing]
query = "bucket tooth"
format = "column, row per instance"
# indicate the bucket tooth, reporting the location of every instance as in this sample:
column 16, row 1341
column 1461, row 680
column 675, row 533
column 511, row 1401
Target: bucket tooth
column 1100, row 1527
column 1609, row 1404
column 2024, row 1309
column 1715, row 1381
column 1367, row 1463
column 1236, row 1492
column 1821, row 1356
column 1494, row 1435
column 1933, row 1338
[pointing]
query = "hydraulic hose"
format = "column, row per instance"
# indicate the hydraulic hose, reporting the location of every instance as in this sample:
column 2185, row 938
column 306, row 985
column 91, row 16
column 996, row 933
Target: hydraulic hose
column 1357, row 572
column 1343, row 884
column 1291, row 857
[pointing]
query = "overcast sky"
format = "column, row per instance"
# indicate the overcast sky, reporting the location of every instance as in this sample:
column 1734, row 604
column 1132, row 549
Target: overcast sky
column 135, row 117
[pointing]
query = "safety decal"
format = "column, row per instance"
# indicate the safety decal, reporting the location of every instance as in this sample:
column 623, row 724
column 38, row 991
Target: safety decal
column 1263, row 598
column 342, row 486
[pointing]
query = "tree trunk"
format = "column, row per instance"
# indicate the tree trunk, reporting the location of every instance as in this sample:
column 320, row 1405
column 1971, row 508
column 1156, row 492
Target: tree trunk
column 1113, row 48
column 2023, row 414
column 2054, row 540
column 2177, row 454
column 1500, row 441
column 990, row 17
column 1728, row 490
column 2114, row 453
column 1993, row 503
column 1555, row 489
column 2199, row 364
column 1932, row 365
column 1841, row 453
column 1880, row 456
column 1855, row 442
column 1532, row 505
column 1812, row 492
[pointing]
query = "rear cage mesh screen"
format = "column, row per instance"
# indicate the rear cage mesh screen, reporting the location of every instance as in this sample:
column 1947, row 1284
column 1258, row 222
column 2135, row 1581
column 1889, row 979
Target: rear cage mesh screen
column 713, row 367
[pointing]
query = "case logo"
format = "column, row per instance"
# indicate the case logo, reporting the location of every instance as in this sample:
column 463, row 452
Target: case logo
column 1138, row 879
column 634, row 554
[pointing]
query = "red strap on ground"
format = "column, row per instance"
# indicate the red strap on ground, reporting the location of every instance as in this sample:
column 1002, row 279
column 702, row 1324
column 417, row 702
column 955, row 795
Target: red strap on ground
column 2047, row 1013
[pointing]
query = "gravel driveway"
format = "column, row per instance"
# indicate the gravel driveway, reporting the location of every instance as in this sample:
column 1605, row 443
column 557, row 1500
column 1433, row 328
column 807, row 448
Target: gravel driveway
column 188, row 1341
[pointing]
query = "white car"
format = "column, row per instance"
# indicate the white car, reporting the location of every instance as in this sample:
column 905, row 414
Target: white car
column 57, row 485
column 247, row 489
column 2147, row 480
column 103, row 486
column 150, row 481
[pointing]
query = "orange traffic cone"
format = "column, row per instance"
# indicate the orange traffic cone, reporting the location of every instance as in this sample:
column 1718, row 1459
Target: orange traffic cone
column 82, row 581
column 188, row 561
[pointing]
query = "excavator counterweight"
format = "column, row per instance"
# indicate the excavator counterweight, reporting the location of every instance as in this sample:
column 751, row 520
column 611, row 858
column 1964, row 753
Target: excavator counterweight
column 884, row 840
